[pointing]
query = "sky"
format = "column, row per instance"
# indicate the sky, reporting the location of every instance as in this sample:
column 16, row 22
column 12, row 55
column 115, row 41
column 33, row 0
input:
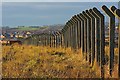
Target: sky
column 44, row 13
column 60, row 0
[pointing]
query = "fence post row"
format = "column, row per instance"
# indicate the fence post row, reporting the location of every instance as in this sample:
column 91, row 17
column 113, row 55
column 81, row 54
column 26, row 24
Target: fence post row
column 85, row 31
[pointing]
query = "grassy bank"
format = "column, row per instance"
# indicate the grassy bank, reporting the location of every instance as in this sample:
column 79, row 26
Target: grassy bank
column 44, row 62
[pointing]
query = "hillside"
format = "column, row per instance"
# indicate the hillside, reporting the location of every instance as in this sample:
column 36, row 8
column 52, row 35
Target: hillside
column 33, row 29
column 45, row 62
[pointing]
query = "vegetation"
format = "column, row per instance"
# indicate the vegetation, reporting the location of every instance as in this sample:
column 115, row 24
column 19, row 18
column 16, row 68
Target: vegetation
column 23, row 61
column 30, row 28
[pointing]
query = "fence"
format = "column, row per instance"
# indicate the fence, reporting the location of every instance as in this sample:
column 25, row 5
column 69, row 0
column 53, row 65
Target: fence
column 85, row 30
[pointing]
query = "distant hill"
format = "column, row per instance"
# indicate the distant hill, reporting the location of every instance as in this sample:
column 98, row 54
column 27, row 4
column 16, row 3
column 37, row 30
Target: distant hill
column 33, row 29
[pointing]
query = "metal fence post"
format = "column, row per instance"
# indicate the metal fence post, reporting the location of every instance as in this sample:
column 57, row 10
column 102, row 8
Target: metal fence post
column 82, row 34
column 116, row 12
column 75, row 32
column 85, row 26
column 102, row 39
column 78, row 31
column 78, row 22
column 97, row 36
column 111, row 37
column 72, row 34
column 92, row 36
column 88, row 32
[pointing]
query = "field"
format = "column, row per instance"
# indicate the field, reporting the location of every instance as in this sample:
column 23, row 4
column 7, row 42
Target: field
column 23, row 61
column 30, row 28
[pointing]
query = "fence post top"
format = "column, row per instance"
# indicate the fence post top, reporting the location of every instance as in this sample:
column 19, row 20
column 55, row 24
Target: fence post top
column 83, row 12
column 118, row 12
column 82, row 16
column 71, row 22
column 90, row 10
column 96, row 11
column 107, row 11
column 87, row 11
column 86, row 15
column 73, row 19
column 113, row 8
column 76, row 18
column 78, row 15
column 90, row 15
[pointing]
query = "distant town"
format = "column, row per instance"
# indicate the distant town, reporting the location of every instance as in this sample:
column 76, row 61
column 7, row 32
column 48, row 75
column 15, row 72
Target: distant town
column 19, row 33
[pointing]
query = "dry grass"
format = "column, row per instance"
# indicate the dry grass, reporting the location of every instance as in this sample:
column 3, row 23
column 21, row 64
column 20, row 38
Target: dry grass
column 45, row 62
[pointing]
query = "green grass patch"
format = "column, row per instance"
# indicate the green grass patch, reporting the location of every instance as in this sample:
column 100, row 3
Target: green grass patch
column 30, row 28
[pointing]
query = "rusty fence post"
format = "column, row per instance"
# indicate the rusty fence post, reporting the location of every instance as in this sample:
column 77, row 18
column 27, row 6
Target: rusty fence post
column 111, row 36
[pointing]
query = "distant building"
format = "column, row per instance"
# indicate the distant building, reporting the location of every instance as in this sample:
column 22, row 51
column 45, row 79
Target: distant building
column 2, row 36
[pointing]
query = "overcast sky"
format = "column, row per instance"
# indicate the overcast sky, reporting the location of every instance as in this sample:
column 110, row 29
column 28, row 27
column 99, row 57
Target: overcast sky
column 44, row 13
column 60, row 0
